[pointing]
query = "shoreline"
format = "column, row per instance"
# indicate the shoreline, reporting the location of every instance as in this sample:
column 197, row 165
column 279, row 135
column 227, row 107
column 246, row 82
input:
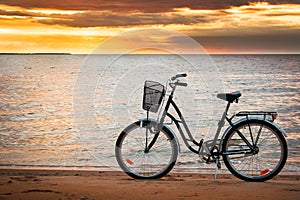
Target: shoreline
column 116, row 169
column 87, row 185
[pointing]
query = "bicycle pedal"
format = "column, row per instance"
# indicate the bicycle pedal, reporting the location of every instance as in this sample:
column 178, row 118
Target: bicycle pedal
column 206, row 158
column 209, row 159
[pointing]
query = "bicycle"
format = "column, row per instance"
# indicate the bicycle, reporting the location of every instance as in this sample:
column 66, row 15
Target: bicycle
column 253, row 148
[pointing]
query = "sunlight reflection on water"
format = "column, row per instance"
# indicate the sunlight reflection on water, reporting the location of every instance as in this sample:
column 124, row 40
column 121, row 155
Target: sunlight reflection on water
column 36, row 107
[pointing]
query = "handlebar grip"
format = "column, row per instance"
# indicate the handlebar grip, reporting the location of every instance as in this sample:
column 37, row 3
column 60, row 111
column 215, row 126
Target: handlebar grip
column 181, row 84
column 181, row 75
column 178, row 76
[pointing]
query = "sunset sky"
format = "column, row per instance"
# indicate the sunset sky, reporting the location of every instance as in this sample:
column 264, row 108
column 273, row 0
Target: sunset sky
column 220, row 26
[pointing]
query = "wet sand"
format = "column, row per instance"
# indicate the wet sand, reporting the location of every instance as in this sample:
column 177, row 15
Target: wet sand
column 87, row 185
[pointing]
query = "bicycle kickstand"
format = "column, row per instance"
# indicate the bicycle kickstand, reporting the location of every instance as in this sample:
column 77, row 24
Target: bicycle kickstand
column 218, row 166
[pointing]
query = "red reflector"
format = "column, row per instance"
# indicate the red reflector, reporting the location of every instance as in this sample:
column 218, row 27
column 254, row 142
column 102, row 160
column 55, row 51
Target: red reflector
column 274, row 116
column 265, row 171
column 129, row 161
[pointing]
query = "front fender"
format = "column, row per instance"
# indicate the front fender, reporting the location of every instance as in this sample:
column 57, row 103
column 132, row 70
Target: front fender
column 168, row 128
column 249, row 118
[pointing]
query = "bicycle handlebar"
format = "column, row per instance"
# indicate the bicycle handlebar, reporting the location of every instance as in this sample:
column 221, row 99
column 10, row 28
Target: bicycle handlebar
column 173, row 83
column 181, row 84
column 178, row 76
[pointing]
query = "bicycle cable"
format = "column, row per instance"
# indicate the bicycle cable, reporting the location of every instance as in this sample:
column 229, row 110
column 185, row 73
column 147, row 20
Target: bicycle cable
column 163, row 101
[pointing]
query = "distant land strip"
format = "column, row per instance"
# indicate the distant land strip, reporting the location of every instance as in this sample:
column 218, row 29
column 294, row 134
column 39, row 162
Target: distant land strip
column 35, row 54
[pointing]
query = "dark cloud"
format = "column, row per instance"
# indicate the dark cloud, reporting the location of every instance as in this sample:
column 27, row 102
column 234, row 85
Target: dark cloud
column 109, row 13
column 13, row 13
column 135, row 5
column 273, row 42
column 109, row 19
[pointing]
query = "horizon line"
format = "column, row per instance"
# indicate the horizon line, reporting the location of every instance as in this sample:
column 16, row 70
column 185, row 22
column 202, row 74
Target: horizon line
column 68, row 53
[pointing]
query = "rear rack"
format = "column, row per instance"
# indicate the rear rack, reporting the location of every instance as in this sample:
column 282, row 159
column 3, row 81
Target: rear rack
column 272, row 114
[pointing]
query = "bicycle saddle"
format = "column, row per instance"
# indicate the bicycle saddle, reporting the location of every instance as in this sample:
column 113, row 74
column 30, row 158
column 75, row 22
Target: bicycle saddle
column 230, row 97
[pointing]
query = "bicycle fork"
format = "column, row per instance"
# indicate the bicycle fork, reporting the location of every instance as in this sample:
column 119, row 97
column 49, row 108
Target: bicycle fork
column 149, row 144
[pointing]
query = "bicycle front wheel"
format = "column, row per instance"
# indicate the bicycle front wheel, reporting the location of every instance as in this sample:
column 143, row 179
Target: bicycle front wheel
column 143, row 153
column 263, row 158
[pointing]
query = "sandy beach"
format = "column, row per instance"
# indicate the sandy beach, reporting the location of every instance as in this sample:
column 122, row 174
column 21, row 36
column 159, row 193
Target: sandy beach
column 87, row 185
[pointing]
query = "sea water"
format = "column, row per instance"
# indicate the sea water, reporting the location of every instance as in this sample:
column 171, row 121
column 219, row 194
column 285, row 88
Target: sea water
column 56, row 111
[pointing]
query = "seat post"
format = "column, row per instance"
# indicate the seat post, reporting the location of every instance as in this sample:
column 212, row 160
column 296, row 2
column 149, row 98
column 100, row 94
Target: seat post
column 222, row 121
column 227, row 108
column 220, row 125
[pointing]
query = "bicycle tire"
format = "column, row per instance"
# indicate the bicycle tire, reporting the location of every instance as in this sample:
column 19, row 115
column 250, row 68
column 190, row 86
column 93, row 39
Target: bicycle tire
column 262, row 165
column 132, row 159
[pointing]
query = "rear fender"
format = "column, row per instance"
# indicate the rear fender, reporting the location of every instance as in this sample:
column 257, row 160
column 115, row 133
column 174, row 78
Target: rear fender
column 249, row 118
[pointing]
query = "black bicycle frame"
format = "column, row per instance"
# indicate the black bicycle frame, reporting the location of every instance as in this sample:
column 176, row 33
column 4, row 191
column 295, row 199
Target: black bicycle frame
column 177, row 123
column 188, row 137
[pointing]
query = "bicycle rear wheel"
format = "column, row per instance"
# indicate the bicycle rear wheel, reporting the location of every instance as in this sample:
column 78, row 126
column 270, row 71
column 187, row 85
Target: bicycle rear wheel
column 140, row 163
column 268, row 158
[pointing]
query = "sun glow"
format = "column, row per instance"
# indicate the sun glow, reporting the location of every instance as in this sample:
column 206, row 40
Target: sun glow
column 186, row 10
column 53, row 11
